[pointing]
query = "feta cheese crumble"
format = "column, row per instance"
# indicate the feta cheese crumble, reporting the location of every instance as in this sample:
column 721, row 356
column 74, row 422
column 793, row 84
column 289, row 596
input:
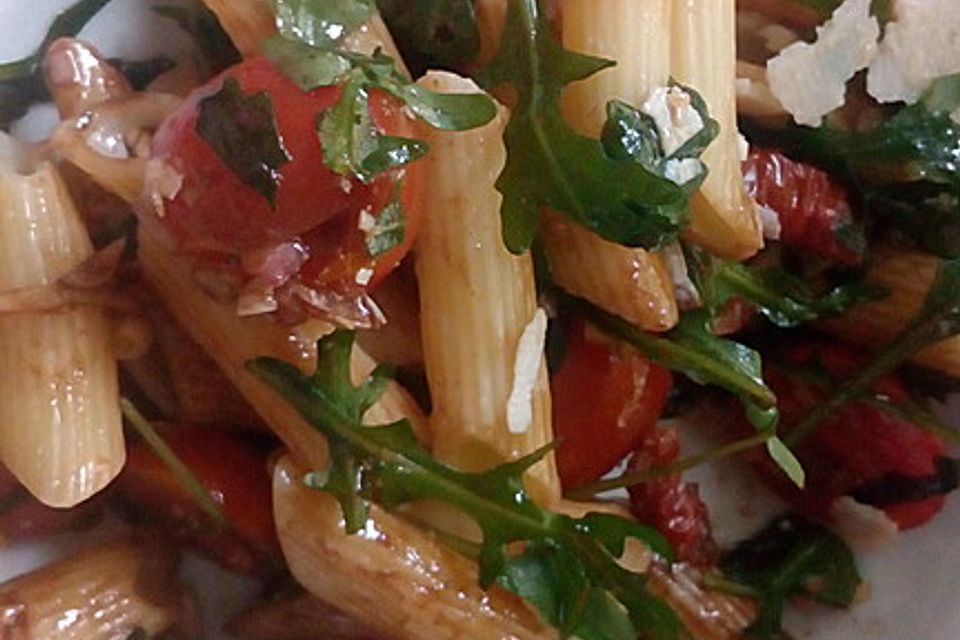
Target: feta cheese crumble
column 526, row 369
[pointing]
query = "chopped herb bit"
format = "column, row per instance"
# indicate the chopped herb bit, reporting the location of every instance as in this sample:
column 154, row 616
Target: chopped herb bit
column 21, row 81
column 792, row 556
column 433, row 34
column 217, row 51
column 181, row 471
column 242, row 129
column 938, row 320
column 386, row 464
column 603, row 186
column 785, row 299
column 389, row 230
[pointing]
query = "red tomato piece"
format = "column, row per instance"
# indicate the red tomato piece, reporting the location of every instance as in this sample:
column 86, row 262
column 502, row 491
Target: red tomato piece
column 603, row 405
column 669, row 504
column 858, row 446
column 310, row 239
column 236, row 474
column 812, row 208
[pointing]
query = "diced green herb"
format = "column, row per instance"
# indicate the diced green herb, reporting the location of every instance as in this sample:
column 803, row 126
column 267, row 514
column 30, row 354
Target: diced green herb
column 938, row 319
column 216, row 49
column 551, row 165
column 21, row 81
column 242, row 129
column 903, row 171
column 792, row 556
column 785, row 299
column 433, row 34
column 389, row 230
column 387, row 465
column 309, row 51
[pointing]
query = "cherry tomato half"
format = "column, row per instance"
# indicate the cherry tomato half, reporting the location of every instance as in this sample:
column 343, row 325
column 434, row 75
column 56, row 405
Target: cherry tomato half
column 603, row 405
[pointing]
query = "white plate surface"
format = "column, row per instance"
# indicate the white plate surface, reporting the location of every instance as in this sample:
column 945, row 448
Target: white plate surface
column 915, row 584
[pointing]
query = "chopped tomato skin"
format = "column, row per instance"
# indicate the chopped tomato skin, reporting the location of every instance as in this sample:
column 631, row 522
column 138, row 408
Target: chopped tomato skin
column 236, row 474
column 859, row 445
column 214, row 212
column 812, row 208
column 603, row 405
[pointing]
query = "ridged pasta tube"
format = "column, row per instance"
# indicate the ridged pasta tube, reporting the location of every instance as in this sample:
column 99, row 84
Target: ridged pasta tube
column 60, row 427
column 703, row 56
column 632, row 283
column 482, row 331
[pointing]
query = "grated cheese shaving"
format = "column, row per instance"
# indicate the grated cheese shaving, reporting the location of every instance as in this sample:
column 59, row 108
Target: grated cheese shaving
column 676, row 119
column 526, row 368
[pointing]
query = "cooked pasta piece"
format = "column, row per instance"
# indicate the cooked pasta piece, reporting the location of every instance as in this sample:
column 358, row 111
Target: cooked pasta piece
column 632, row 283
column 249, row 23
column 60, row 427
column 703, row 56
column 907, row 275
column 232, row 341
column 105, row 593
column 482, row 331
column 395, row 577
column 78, row 77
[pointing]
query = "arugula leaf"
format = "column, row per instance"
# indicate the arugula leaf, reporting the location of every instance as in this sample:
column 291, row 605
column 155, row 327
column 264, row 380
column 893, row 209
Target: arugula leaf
column 551, row 165
column 321, row 23
column 937, row 320
column 793, row 556
column 21, row 81
column 690, row 348
column 242, row 129
column 433, row 34
column 386, row 464
column 904, row 170
column 309, row 52
column 783, row 298
column 217, row 51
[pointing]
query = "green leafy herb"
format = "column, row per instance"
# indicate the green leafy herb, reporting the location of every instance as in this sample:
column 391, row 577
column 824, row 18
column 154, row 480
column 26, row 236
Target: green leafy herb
column 181, row 471
column 389, row 230
column 21, row 81
column 309, row 52
column 690, row 348
column 433, row 34
column 938, row 319
column 603, row 186
column 217, row 51
column 785, row 299
column 793, row 556
column 242, row 129
column 903, row 171
column 386, row 464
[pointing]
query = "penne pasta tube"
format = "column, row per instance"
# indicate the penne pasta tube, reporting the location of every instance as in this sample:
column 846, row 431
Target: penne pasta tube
column 78, row 77
column 106, row 593
column 703, row 56
column 631, row 283
column 393, row 576
column 484, row 362
column 249, row 23
column 60, row 427
column 231, row 341
column 908, row 276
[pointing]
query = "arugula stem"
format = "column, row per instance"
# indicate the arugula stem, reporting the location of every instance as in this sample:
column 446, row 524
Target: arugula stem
column 181, row 471
column 641, row 477
column 672, row 354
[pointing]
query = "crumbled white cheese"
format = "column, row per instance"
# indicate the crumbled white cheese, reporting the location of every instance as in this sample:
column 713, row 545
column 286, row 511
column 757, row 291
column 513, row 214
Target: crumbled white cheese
column 363, row 276
column 743, row 147
column 769, row 222
column 677, row 121
column 810, row 79
column 366, row 222
column 862, row 525
column 683, row 170
column 526, row 369
column 919, row 46
column 686, row 292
